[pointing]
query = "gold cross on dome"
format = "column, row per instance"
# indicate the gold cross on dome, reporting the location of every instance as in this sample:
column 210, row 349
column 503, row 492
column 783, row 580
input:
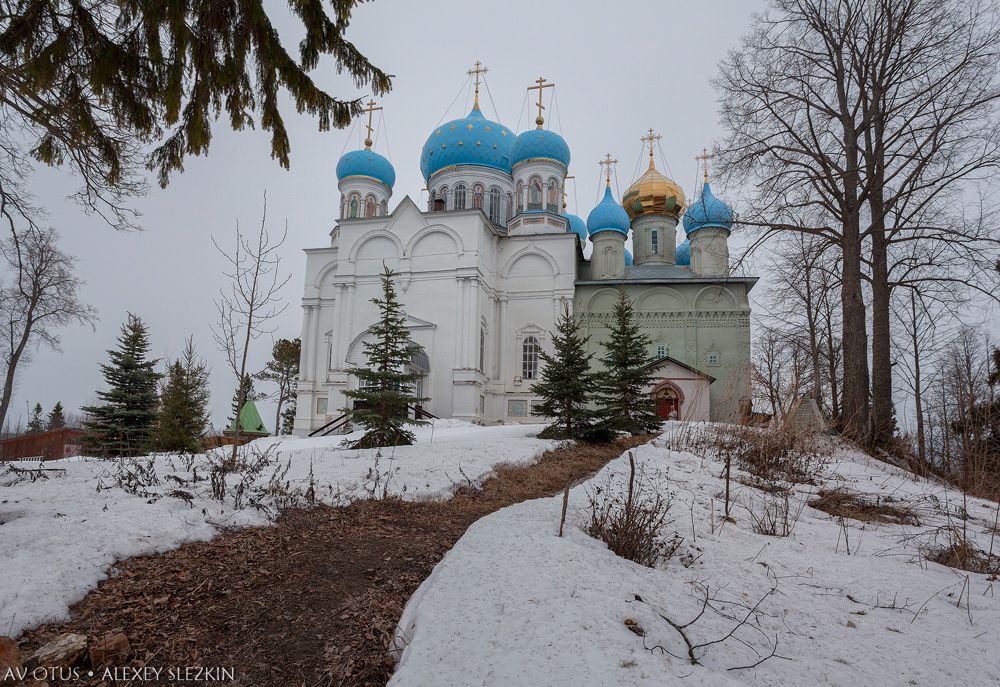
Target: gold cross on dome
column 608, row 164
column 539, row 120
column 704, row 158
column 371, row 109
column 651, row 139
column 476, row 71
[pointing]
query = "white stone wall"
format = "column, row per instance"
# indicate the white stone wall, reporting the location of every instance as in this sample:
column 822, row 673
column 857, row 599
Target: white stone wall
column 457, row 276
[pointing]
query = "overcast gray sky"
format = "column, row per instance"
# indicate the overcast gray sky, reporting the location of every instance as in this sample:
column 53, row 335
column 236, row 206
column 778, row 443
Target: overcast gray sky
column 619, row 69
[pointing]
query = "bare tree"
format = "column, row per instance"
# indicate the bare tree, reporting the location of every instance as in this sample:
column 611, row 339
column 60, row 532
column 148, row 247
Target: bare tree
column 879, row 115
column 38, row 297
column 250, row 302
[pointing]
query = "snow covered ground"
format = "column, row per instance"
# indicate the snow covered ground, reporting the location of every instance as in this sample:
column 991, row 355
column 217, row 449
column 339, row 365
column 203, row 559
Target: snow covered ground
column 514, row 604
column 60, row 535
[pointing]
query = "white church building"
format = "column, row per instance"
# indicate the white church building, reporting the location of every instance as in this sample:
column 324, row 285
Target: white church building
column 492, row 260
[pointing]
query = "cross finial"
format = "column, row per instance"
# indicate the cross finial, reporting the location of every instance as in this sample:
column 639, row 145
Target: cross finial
column 539, row 120
column 704, row 158
column 370, row 110
column 476, row 71
column 651, row 139
column 608, row 163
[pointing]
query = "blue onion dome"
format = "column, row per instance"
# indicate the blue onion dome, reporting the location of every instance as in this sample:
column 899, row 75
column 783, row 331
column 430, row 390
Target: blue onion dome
column 684, row 254
column 539, row 144
column 608, row 216
column 366, row 163
column 629, row 260
column 708, row 211
column 577, row 226
column 471, row 140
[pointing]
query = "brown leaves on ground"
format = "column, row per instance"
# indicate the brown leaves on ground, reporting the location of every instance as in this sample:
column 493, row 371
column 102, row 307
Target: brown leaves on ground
column 313, row 600
column 848, row 504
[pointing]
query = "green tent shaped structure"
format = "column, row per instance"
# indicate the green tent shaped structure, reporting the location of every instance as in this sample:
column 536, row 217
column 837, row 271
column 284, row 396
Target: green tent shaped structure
column 250, row 422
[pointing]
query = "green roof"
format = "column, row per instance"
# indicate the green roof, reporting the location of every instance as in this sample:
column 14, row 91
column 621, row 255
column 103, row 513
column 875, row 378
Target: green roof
column 249, row 420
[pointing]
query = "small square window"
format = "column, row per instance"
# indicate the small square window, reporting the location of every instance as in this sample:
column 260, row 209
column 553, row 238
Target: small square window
column 321, row 405
column 662, row 351
column 517, row 408
column 713, row 359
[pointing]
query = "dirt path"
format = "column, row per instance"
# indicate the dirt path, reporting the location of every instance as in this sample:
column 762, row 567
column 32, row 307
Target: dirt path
column 313, row 600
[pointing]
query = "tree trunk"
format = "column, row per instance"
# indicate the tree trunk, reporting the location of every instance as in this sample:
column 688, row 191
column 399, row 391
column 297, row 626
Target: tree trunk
column 917, row 388
column 855, row 409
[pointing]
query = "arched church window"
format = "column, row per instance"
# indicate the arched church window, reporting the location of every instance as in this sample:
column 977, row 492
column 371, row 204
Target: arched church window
column 520, row 197
column 354, row 206
column 552, row 199
column 458, row 197
column 609, row 261
column 385, row 207
column 477, row 196
column 343, row 206
column 529, row 357
column 430, row 201
column 496, row 201
column 510, row 207
column 370, row 206
column 535, row 194
column 654, row 240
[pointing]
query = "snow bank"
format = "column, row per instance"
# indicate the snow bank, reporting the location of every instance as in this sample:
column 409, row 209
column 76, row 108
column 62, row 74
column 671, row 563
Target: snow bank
column 514, row 604
column 60, row 536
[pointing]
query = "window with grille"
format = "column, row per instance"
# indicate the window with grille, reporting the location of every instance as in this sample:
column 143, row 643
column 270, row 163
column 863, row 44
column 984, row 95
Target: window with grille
column 458, row 197
column 654, row 237
column 529, row 358
column 662, row 351
column 496, row 202
column 520, row 198
column 713, row 359
column 518, row 408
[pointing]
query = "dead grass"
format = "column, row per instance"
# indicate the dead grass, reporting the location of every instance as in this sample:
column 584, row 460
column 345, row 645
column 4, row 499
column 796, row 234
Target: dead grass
column 961, row 552
column 630, row 522
column 847, row 504
column 773, row 515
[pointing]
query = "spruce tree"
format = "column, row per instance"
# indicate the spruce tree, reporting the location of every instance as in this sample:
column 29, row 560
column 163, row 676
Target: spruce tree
column 386, row 388
column 566, row 381
column 623, row 399
column 35, row 423
column 184, row 403
column 124, row 422
column 56, row 417
column 288, row 417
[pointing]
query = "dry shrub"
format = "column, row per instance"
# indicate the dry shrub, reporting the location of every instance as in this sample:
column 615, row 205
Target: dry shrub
column 763, row 485
column 847, row 504
column 773, row 514
column 776, row 453
column 959, row 551
column 631, row 524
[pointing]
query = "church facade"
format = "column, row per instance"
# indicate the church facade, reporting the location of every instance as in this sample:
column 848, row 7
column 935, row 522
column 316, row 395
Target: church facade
column 485, row 269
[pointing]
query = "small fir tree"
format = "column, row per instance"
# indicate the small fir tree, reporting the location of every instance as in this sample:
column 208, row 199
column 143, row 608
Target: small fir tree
column 622, row 390
column 56, row 417
column 386, row 387
column 283, row 370
column 36, row 422
column 184, row 403
column 566, row 383
column 123, row 424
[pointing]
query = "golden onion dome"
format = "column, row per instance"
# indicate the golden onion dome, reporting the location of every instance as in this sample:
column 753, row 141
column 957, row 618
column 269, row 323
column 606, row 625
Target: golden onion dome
column 653, row 194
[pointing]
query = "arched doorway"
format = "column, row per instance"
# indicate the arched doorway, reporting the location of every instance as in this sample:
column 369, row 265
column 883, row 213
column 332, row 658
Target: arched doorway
column 668, row 400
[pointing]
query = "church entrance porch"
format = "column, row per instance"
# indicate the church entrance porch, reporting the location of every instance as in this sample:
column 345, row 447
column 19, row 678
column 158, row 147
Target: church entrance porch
column 679, row 391
column 668, row 402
